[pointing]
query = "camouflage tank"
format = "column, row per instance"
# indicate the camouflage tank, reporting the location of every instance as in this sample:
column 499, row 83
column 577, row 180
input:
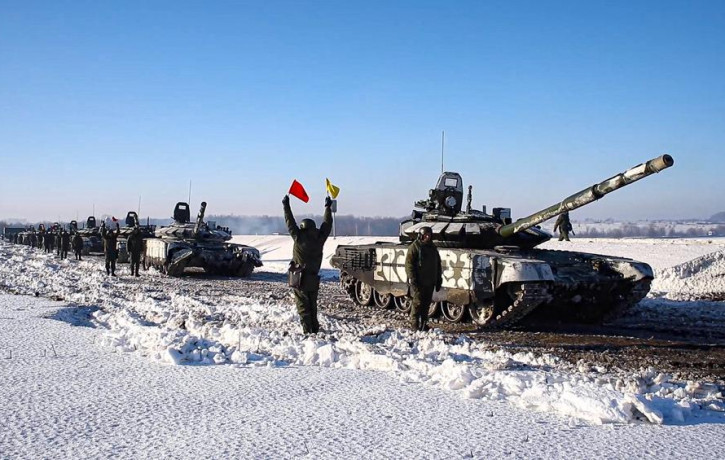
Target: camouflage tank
column 91, row 236
column 184, row 244
column 147, row 231
column 493, row 274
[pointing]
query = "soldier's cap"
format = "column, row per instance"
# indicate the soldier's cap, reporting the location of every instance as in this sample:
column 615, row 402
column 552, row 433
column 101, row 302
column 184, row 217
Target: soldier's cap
column 425, row 230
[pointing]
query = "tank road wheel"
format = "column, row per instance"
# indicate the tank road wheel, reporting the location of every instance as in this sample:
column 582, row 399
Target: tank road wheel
column 348, row 283
column 383, row 300
column 363, row 294
column 434, row 309
column 453, row 312
column 481, row 313
column 245, row 271
column 402, row 304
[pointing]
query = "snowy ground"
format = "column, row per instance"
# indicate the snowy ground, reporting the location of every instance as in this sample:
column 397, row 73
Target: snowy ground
column 114, row 388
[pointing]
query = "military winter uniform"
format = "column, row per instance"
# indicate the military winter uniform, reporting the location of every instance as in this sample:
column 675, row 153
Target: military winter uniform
column 77, row 246
column 64, row 244
column 423, row 267
column 110, row 240
column 307, row 252
column 564, row 225
column 134, row 245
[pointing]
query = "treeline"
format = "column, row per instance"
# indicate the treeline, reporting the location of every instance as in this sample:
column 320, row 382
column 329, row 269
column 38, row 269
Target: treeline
column 650, row 231
column 345, row 225
column 348, row 225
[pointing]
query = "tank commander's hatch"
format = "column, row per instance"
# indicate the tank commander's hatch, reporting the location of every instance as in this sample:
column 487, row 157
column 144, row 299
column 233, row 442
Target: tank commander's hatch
column 182, row 215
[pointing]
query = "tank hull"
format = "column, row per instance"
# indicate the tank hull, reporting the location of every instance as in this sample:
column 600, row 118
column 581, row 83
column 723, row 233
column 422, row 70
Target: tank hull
column 173, row 257
column 501, row 287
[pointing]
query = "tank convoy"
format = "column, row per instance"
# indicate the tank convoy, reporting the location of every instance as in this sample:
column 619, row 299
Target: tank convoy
column 493, row 273
column 185, row 244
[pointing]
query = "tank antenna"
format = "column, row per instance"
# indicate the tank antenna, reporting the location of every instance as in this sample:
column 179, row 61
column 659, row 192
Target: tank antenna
column 443, row 143
column 139, row 205
column 189, row 192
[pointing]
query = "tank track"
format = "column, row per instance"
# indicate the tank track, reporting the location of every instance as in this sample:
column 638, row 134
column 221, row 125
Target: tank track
column 528, row 297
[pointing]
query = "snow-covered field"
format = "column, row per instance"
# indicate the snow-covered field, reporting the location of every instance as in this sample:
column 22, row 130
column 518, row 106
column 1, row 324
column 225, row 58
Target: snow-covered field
column 188, row 368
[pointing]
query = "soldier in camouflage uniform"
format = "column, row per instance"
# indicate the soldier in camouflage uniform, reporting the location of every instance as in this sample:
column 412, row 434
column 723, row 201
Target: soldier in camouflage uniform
column 423, row 267
column 110, row 241
column 134, row 245
column 77, row 245
column 307, row 252
column 64, row 244
column 564, row 225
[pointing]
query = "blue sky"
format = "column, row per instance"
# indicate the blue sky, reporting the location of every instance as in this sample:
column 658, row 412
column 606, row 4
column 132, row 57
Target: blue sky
column 103, row 102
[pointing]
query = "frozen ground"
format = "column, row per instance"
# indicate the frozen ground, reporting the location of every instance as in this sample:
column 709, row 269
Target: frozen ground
column 354, row 390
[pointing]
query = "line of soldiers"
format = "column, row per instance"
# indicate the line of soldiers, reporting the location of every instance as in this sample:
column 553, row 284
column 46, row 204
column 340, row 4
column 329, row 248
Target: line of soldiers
column 60, row 240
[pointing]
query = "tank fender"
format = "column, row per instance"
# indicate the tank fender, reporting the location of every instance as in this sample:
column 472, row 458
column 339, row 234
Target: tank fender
column 632, row 270
column 522, row 270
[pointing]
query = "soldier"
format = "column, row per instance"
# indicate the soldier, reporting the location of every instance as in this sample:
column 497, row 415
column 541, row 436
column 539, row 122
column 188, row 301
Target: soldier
column 307, row 255
column 77, row 245
column 41, row 236
column 64, row 244
column 110, row 240
column 134, row 245
column 58, row 242
column 423, row 267
column 564, row 225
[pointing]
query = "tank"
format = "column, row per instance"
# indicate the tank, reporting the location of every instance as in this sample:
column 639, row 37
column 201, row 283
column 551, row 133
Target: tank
column 185, row 244
column 91, row 236
column 493, row 273
column 147, row 231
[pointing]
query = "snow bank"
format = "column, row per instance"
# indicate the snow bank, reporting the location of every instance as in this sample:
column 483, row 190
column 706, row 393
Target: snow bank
column 178, row 327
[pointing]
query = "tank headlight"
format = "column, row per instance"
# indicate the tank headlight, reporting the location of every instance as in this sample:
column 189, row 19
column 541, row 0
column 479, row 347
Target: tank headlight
column 451, row 202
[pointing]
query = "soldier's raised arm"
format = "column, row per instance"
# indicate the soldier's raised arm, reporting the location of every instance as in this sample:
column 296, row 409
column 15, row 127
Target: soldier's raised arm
column 289, row 219
column 326, row 226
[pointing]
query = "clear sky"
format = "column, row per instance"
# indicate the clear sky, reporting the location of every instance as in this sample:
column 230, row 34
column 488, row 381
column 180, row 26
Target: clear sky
column 103, row 102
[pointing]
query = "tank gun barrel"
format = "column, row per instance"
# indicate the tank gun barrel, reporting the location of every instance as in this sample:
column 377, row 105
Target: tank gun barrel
column 200, row 218
column 590, row 194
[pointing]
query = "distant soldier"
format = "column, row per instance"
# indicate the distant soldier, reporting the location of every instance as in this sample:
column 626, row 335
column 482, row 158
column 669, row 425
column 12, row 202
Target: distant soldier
column 134, row 245
column 423, row 267
column 48, row 242
column 58, row 242
column 33, row 239
column 64, row 244
column 41, row 237
column 110, row 240
column 77, row 245
column 564, row 225
column 307, row 256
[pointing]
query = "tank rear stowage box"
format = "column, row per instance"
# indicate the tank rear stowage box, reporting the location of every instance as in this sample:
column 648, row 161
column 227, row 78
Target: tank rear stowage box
column 493, row 274
column 185, row 244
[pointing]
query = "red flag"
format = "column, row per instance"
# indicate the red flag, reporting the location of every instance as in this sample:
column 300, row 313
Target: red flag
column 297, row 190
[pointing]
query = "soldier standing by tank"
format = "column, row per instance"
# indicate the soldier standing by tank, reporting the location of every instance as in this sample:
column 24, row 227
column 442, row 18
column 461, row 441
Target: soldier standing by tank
column 564, row 225
column 77, row 245
column 307, row 254
column 134, row 244
column 58, row 242
column 423, row 267
column 64, row 244
column 110, row 241
column 41, row 237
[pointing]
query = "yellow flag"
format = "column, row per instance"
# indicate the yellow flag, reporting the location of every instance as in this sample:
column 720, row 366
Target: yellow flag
column 331, row 189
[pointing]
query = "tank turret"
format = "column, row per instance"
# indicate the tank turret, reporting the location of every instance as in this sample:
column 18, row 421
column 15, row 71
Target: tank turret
column 480, row 230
